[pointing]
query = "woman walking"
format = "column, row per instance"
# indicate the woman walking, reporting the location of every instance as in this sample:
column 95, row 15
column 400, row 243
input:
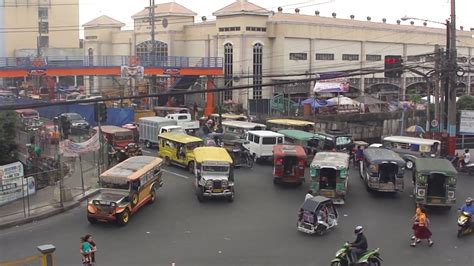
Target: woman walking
column 420, row 228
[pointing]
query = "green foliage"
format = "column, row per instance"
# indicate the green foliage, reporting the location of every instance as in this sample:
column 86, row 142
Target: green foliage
column 8, row 146
column 415, row 98
column 466, row 103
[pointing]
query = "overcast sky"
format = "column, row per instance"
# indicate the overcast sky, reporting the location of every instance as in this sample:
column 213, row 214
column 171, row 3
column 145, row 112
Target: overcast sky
column 437, row 10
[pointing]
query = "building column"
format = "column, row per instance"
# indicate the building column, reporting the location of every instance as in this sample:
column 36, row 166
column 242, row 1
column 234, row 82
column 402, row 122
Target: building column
column 404, row 81
column 362, row 65
column 57, row 79
column 75, row 81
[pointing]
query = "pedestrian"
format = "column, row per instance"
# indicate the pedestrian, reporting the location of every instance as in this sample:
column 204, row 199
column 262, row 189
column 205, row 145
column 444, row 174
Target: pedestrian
column 87, row 241
column 309, row 195
column 420, row 227
column 85, row 250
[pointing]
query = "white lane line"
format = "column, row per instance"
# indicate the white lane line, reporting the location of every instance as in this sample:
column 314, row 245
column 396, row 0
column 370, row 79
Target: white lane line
column 176, row 174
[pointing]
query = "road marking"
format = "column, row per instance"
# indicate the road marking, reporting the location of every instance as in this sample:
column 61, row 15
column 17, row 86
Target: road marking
column 176, row 174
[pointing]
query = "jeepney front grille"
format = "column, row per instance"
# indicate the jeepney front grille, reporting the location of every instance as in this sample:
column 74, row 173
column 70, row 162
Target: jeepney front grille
column 217, row 184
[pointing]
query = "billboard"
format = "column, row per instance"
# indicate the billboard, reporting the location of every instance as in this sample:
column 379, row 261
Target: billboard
column 13, row 185
column 339, row 85
column 466, row 125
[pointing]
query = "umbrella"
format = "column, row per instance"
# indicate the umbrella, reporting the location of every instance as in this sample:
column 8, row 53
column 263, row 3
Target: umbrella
column 342, row 100
column 415, row 129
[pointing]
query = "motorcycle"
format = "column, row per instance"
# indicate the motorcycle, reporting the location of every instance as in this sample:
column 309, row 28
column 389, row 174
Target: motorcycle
column 465, row 168
column 343, row 257
column 464, row 224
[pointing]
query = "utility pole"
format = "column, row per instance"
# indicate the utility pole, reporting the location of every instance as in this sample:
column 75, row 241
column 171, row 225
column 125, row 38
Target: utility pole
column 153, row 49
column 437, row 66
column 451, row 97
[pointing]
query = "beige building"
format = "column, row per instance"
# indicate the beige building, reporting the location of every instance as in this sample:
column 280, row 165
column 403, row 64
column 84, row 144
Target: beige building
column 48, row 27
column 257, row 44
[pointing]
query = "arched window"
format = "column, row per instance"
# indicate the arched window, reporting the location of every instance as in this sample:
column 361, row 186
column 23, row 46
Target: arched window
column 257, row 70
column 228, row 69
column 151, row 52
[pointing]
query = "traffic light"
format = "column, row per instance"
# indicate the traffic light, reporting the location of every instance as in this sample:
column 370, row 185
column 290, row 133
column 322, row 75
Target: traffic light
column 100, row 112
column 393, row 66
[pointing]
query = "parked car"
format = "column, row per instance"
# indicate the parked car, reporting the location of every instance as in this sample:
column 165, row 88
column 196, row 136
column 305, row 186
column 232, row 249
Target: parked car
column 78, row 123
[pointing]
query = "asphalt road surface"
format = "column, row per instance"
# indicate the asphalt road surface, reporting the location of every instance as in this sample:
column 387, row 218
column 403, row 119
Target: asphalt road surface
column 258, row 228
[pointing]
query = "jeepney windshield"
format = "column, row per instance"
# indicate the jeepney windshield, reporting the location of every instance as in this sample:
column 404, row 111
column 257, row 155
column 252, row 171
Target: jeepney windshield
column 124, row 186
column 344, row 140
column 192, row 146
column 215, row 168
column 123, row 137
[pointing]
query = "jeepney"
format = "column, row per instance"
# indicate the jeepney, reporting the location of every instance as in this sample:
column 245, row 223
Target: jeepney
column 125, row 188
column 289, row 163
column 241, row 127
column 382, row 170
column 335, row 140
column 435, row 182
column 329, row 173
column 177, row 149
column 214, row 172
column 122, row 142
column 411, row 148
column 305, row 139
column 229, row 116
column 279, row 124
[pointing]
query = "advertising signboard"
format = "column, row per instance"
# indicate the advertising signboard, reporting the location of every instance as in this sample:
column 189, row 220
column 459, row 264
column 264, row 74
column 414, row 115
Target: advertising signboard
column 466, row 125
column 13, row 185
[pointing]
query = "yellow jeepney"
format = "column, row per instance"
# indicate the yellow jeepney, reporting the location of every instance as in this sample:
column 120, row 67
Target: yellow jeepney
column 177, row 148
column 214, row 172
column 279, row 124
column 125, row 188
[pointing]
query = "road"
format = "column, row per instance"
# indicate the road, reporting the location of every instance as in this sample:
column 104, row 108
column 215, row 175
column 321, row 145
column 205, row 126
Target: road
column 258, row 228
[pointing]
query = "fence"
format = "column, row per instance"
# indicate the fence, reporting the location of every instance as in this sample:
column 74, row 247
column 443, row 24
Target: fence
column 465, row 142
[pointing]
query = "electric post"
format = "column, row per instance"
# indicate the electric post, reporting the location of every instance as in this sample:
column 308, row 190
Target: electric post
column 451, row 96
column 153, row 48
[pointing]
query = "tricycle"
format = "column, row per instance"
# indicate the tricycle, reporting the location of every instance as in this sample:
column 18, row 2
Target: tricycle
column 317, row 215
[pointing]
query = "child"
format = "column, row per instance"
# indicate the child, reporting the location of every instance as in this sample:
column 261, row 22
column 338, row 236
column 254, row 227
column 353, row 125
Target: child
column 86, row 251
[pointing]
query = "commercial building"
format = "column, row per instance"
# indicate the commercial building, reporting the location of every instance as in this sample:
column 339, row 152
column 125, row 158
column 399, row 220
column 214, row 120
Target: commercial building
column 257, row 44
column 49, row 28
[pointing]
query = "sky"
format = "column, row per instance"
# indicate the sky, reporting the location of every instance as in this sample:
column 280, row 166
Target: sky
column 435, row 10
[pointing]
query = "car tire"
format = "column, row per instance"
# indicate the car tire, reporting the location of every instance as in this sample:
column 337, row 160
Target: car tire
column 336, row 263
column 123, row 218
column 231, row 198
column 91, row 220
column 374, row 262
column 409, row 164
column 191, row 167
column 152, row 195
column 199, row 194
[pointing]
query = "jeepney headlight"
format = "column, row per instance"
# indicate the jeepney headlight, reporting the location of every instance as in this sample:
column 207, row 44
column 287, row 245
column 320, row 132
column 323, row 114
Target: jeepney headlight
column 452, row 180
column 422, row 178
column 421, row 192
column 450, row 194
column 312, row 172
column 209, row 184
column 225, row 183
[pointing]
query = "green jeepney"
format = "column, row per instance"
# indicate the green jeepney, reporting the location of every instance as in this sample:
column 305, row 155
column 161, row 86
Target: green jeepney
column 304, row 139
column 329, row 173
column 435, row 182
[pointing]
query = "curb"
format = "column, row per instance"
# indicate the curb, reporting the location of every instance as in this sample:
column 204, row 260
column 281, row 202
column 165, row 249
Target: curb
column 51, row 213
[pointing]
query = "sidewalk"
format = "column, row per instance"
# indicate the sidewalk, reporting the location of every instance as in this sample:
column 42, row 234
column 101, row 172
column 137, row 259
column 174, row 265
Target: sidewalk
column 42, row 204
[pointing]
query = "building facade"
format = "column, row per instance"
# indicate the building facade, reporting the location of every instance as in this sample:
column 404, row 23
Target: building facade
column 261, row 46
column 49, row 28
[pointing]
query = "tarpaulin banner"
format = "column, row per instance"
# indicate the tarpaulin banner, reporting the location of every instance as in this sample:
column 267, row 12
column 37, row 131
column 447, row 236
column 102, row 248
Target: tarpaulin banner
column 71, row 149
column 339, row 85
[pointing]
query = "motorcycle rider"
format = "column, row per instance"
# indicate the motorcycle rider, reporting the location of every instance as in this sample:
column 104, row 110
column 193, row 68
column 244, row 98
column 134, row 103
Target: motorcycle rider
column 359, row 246
column 466, row 159
column 469, row 208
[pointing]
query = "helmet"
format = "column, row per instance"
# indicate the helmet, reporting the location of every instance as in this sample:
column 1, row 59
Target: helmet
column 358, row 230
column 469, row 200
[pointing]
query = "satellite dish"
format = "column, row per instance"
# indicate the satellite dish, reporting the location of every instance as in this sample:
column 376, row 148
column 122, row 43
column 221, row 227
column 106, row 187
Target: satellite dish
column 164, row 23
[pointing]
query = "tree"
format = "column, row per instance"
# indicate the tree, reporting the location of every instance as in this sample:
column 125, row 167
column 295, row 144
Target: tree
column 8, row 147
column 466, row 103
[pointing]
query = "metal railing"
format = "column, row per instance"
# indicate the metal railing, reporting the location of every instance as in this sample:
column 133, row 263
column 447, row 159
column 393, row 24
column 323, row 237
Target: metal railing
column 109, row 61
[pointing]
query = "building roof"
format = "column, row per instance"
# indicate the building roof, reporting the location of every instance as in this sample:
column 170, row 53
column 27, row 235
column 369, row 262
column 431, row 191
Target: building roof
column 103, row 21
column 281, row 17
column 241, row 7
column 167, row 9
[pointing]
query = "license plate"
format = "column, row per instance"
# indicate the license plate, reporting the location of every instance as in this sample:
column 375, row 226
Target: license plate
column 328, row 194
column 217, row 190
column 435, row 201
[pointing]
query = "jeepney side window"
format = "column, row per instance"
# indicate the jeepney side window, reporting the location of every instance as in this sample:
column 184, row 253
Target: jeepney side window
column 256, row 139
column 280, row 140
column 250, row 137
column 435, row 148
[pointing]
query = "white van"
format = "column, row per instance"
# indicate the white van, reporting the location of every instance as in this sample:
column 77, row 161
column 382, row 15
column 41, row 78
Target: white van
column 260, row 143
column 241, row 127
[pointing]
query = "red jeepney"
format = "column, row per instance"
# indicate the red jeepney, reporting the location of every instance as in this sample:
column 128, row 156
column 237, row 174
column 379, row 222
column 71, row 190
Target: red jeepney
column 134, row 129
column 289, row 164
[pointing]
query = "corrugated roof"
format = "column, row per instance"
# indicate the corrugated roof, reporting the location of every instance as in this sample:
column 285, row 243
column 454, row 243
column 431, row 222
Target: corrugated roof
column 104, row 21
column 437, row 165
column 241, row 7
column 167, row 9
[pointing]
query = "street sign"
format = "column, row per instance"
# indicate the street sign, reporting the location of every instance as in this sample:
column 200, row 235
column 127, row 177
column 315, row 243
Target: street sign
column 434, row 123
column 466, row 125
